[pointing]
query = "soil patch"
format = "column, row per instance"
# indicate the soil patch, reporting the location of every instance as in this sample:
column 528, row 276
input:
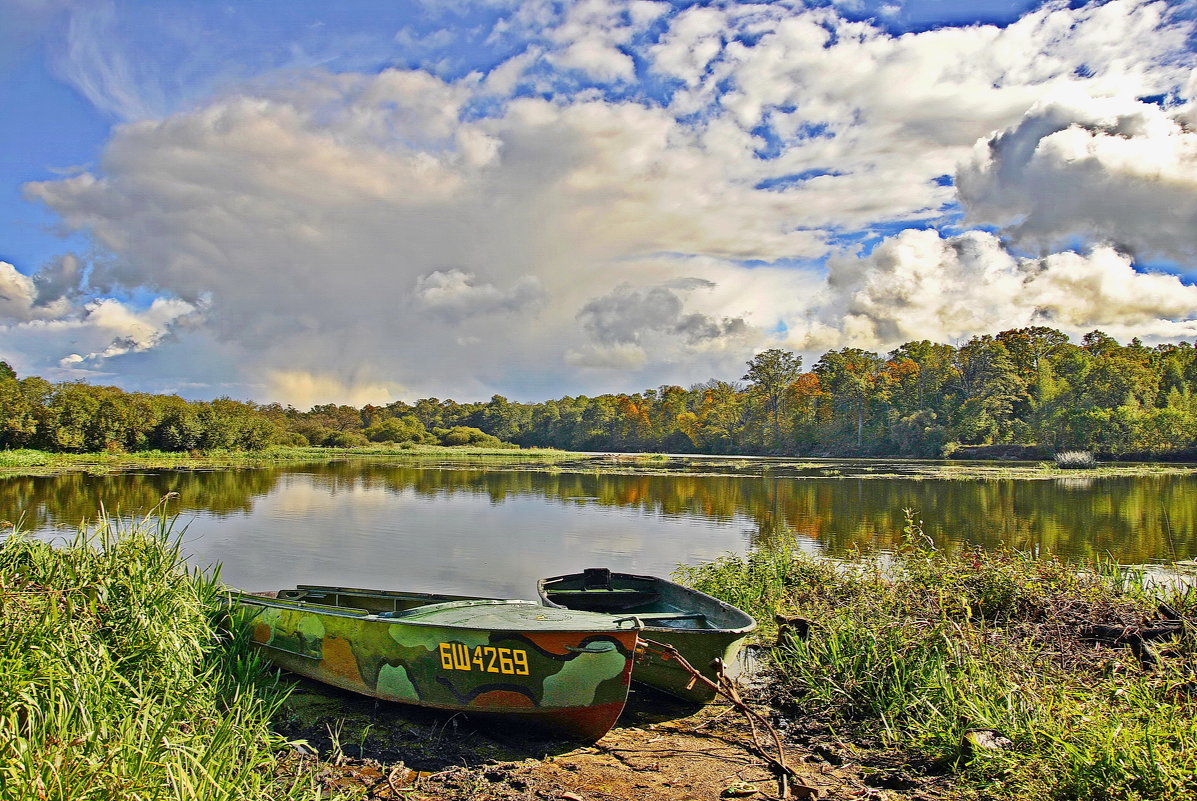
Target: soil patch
column 661, row 750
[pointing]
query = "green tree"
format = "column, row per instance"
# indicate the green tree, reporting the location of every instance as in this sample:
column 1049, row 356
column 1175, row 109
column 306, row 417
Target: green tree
column 921, row 374
column 111, row 421
column 769, row 375
column 180, row 428
column 850, row 376
column 398, row 429
column 18, row 416
column 991, row 388
column 504, row 419
column 67, row 418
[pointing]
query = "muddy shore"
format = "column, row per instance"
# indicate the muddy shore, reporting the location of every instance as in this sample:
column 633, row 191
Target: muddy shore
column 661, row 750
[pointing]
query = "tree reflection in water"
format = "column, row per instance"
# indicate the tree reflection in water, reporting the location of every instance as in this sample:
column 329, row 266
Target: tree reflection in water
column 1132, row 519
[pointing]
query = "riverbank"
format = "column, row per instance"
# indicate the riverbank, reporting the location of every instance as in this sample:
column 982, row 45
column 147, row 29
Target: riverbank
column 34, row 462
column 994, row 673
column 119, row 678
column 122, row 675
column 926, row 675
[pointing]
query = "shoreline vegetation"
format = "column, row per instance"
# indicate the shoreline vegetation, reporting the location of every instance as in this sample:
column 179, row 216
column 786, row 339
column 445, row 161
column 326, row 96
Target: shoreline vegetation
column 1003, row 674
column 120, row 677
column 980, row 675
column 29, row 461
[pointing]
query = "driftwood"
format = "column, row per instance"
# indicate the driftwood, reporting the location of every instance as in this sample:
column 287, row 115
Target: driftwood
column 791, row 628
column 1139, row 638
column 1168, row 613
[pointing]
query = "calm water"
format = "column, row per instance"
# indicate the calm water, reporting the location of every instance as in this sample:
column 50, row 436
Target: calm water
column 495, row 529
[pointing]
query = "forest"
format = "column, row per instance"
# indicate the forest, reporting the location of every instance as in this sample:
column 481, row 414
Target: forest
column 1023, row 387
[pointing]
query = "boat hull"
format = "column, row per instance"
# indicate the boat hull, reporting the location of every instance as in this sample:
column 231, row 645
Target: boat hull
column 701, row 628
column 699, row 649
column 571, row 682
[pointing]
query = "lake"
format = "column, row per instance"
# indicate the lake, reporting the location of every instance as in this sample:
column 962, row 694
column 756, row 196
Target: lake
column 494, row 528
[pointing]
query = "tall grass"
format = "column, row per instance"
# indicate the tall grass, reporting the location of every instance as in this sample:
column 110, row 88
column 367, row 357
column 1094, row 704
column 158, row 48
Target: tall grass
column 923, row 646
column 119, row 679
column 1075, row 460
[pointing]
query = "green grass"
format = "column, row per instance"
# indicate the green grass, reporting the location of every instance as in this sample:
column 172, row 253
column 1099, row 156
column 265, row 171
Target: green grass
column 119, row 677
column 918, row 648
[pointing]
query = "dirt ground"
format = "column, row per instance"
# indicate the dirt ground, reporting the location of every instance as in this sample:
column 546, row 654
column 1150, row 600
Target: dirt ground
column 661, row 750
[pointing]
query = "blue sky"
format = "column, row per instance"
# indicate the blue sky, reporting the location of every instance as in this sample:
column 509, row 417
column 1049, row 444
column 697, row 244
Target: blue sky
column 365, row 201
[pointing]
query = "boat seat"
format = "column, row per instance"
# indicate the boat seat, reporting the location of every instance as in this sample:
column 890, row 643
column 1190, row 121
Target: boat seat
column 417, row 611
column 596, row 578
column 600, row 600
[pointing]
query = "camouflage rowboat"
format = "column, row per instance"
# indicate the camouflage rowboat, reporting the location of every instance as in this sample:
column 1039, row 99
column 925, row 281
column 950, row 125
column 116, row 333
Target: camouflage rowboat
column 559, row 669
column 700, row 627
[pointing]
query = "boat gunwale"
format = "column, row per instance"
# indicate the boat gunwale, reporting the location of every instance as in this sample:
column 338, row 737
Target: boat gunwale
column 359, row 592
column 543, row 591
column 352, row 613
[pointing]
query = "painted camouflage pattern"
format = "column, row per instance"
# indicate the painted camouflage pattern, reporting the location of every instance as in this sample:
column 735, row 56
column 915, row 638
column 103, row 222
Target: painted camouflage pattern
column 699, row 648
column 702, row 628
column 569, row 679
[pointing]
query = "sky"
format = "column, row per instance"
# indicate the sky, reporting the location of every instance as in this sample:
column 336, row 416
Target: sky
column 363, row 201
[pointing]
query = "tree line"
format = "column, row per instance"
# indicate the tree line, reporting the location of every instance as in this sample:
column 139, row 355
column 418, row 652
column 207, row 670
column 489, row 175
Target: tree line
column 75, row 417
column 1023, row 387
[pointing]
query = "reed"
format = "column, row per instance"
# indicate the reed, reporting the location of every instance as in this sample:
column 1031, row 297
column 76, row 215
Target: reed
column 1075, row 460
column 919, row 647
column 120, row 679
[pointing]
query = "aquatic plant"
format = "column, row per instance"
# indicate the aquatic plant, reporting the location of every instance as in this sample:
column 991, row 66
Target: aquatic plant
column 1075, row 460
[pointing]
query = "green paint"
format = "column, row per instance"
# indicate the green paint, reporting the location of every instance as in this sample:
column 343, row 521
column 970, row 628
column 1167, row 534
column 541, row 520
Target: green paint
column 577, row 683
column 394, row 682
column 431, row 637
column 309, row 626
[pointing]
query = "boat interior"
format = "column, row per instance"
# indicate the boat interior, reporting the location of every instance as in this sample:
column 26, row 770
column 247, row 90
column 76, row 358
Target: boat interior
column 656, row 603
column 378, row 602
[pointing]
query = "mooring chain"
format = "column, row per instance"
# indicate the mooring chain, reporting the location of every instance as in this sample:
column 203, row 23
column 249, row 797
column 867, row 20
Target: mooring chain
column 726, row 688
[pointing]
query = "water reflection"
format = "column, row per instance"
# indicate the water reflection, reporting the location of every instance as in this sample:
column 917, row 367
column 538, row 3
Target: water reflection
column 488, row 529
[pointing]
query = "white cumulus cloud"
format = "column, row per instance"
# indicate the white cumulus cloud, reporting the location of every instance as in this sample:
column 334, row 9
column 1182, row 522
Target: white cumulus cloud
column 1110, row 169
column 550, row 225
column 921, row 285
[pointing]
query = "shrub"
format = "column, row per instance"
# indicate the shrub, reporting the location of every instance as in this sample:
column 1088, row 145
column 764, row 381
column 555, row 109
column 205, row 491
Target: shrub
column 466, row 435
column 345, row 439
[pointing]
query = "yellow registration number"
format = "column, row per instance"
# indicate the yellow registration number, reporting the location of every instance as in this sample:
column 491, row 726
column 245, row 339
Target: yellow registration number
column 484, row 659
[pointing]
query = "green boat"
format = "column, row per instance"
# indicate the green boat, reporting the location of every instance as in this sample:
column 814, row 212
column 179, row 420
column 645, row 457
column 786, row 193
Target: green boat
column 700, row 627
column 561, row 670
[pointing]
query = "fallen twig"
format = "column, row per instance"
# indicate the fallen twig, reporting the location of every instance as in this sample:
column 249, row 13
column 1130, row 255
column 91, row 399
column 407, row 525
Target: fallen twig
column 727, row 688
